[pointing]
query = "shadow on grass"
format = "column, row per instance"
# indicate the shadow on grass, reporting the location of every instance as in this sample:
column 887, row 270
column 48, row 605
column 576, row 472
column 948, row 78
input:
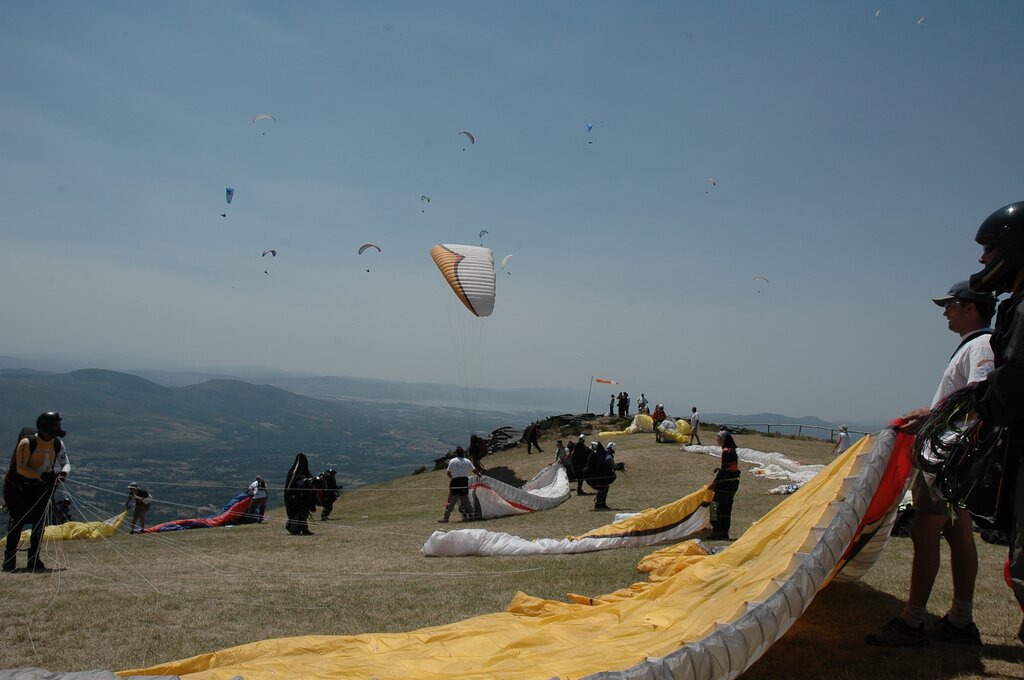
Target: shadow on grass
column 828, row 642
column 506, row 475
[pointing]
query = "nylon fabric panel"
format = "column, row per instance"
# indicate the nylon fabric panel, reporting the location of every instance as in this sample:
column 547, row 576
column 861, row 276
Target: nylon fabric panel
column 469, row 271
column 72, row 531
column 710, row 620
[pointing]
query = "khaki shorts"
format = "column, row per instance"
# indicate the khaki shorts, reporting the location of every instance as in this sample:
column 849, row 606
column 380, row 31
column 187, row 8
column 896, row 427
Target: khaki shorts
column 927, row 498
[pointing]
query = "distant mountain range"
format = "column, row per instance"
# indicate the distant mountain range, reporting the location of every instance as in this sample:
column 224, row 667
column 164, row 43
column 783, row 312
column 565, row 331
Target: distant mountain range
column 186, row 441
column 200, row 437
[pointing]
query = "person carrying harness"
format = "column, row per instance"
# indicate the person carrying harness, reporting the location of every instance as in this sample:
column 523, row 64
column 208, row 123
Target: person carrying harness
column 38, row 465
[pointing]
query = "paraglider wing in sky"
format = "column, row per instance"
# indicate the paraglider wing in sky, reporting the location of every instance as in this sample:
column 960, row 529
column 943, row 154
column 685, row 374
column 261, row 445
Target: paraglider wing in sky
column 482, row 232
column 263, row 116
column 761, row 278
column 229, row 193
column 469, row 270
column 504, row 261
column 271, row 251
column 368, row 245
column 472, row 139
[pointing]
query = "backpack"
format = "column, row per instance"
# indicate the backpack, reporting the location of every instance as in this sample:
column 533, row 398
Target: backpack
column 12, row 478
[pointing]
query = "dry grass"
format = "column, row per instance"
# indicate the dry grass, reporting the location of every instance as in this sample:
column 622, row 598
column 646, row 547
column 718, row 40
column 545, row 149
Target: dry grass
column 133, row 601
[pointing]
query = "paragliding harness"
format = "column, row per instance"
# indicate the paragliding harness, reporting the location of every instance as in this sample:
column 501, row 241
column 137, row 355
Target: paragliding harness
column 970, row 460
column 15, row 484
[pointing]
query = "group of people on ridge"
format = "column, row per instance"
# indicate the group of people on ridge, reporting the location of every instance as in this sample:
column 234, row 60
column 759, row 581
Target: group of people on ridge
column 594, row 465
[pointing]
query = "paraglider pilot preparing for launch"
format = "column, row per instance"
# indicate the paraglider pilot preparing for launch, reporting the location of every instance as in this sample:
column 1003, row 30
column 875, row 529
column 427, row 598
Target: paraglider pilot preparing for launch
column 299, row 497
column 725, row 485
column 40, row 463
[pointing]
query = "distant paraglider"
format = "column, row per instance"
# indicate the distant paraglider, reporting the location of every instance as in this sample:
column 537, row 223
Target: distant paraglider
column 263, row 116
column 424, row 199
column 482, row 232
column 713, row 182
column 229, row 193
column 920, row 20
column 472, row 139
column 761, row 278
column 367, row 246
column 504, row 263
column 272, row 253
column 590, row 126
column 469, row 270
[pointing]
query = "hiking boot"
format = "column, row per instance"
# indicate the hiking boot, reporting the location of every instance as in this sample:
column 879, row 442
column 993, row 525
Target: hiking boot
column 601, row 507
column 36, row 566
column 944, row 631
column 9, row 567
column 899, row 633
column 443, row 520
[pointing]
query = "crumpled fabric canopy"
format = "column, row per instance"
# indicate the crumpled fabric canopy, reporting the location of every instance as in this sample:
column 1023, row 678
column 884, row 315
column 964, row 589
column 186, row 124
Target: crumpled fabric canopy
column 71, row 531
column 699, row 616
column 655, row 526
column 493, row 498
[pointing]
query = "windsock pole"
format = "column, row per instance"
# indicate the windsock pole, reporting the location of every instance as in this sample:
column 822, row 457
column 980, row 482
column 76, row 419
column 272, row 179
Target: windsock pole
column 589, row 390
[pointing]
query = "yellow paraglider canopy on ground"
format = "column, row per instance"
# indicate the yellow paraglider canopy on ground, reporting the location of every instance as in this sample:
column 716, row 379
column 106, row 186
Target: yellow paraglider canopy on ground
column 713, row 615
column 71, row 531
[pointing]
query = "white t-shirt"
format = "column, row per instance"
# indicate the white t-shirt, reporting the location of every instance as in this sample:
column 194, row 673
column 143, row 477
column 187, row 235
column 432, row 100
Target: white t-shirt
column 256, row 492
column 970, row 364
column 694, row 420
column 843, row 440
column 460, row 467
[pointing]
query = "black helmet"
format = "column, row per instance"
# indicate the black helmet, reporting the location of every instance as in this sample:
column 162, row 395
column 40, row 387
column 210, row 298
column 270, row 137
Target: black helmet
column 1004, row 231
column 49, row 423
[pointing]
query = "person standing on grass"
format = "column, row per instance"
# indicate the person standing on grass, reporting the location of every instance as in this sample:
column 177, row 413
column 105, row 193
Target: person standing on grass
column 459, row 470
column 725, row 485
column 968, row 314
column 477, row 450
column 257, row 491
column 38, row 465
column 533, row 438
column 843, row 441
column 1000, row 395
column 658, row 417
column 579, row 461
column 611, row 406
column 299, row 496
column 600, row 472
column 141, row 498
column 694, row 426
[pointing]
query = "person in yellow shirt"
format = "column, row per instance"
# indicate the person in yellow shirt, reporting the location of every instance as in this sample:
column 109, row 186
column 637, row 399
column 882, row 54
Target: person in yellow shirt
column 40, row 463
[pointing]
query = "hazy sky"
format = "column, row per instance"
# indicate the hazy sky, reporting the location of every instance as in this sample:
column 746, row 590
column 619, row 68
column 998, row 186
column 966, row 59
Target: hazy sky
column 856, row 147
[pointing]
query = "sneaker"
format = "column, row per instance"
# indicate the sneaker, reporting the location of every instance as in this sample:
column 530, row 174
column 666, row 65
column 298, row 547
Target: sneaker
column 443, row 520
column 944, row 631
column 36, row 566
column 899, row 633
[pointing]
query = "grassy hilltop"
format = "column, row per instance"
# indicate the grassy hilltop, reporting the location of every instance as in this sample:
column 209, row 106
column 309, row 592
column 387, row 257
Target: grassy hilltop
column 133, row 601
